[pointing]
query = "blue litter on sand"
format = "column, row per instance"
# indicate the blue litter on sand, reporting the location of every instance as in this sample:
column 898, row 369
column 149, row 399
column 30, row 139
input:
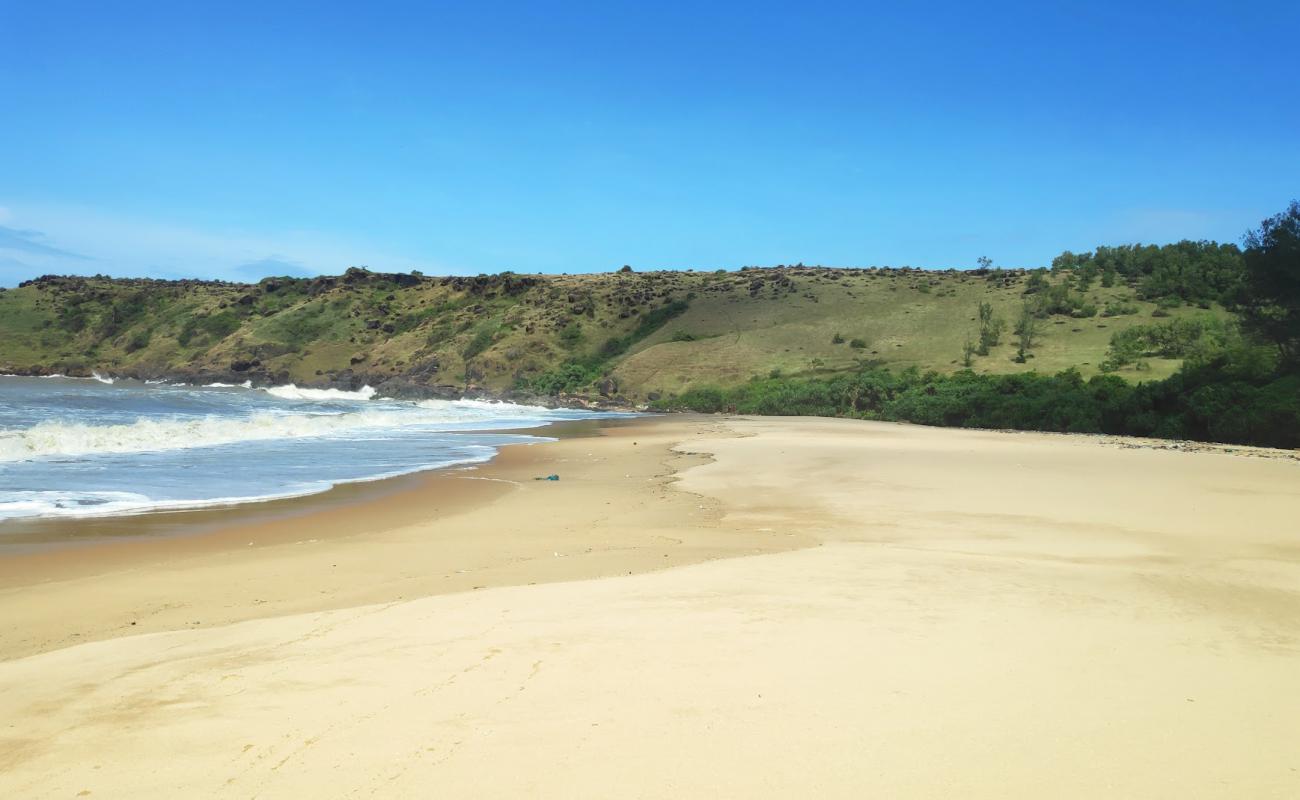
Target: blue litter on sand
column 548, row 478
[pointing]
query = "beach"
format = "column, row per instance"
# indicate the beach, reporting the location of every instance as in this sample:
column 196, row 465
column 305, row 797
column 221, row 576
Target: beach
column 699, row 606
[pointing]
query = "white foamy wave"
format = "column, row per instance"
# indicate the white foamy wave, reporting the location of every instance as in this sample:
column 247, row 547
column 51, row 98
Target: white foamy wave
column 220, row 385
column 292, row 392
column 50, row 504
column 58, row 438
column 29, row 504
column 101, row 378
column 54, row 438
column 108, row 504
column 488, row 408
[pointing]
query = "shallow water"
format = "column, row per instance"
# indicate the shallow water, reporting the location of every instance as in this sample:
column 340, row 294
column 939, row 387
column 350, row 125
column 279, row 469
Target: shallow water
column 73, row 447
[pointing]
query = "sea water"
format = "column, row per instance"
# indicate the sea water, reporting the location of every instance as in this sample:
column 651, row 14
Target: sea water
column 75, row 447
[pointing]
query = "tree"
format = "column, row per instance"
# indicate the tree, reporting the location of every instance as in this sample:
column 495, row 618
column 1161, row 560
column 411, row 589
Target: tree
column 984, row 261
column 1270, row 297
column 967, row 352
column 990, row 329
column 1027, row 330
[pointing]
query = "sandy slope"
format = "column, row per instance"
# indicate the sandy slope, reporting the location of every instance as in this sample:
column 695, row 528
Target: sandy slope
column 989, row 615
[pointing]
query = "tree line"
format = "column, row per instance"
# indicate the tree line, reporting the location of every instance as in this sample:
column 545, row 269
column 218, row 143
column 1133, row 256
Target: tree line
column 1240, row 387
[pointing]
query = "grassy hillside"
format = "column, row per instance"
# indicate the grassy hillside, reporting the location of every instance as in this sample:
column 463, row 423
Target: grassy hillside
column 634, row 335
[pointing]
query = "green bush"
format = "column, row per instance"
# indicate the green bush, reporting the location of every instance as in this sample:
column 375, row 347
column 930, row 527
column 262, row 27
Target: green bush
column 300, row 326
column 1230, row 398
column 1186, row 271
column 209, row 328
column 571, row 335
column 990, row 334
column 1198, row 339
column 481, row 341
column 568, row 377
column 138, row 340
column 1119, row 309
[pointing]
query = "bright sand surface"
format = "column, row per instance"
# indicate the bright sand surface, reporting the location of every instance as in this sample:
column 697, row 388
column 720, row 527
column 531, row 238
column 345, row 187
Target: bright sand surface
column 849, row 609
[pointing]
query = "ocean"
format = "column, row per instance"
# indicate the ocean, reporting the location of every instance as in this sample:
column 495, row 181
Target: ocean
column 85, row 447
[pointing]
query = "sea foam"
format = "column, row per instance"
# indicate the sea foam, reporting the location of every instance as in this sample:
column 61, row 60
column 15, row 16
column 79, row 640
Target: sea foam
column 60, row 438
column 292, row 392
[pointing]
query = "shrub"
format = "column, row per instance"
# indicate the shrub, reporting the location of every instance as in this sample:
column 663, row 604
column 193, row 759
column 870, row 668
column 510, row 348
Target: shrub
column 1199, row 339
column 1118, row 309
column 991, row 327
column 571, row 335
column 480, row 341
column 138, row 341
column 1230, row 398
column 568, row 377
column 210, row 328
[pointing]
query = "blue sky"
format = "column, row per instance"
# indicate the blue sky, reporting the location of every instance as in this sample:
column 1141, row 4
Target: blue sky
column 235, row 140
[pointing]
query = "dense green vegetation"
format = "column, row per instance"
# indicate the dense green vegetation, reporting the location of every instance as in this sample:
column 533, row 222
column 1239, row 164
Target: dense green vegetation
column 1194, row 272
column 1193, row 339
column 1269, row 298
column 1231, row 387
column 629, row 334
column 1217, row 401
column 578, row 372
column 1127, row 339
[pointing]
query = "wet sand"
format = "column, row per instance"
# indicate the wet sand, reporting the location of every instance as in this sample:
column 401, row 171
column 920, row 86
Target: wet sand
column 432, row 533
column 723, row 607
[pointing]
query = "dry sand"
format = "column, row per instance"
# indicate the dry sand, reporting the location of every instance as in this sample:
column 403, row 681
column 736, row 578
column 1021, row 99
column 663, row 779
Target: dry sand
column 930, row 613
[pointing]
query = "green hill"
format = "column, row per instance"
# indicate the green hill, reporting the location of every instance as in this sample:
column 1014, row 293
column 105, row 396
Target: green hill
column 634, row 335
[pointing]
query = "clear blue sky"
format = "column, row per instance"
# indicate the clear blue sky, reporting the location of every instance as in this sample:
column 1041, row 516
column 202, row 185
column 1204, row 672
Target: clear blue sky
column 234, row 140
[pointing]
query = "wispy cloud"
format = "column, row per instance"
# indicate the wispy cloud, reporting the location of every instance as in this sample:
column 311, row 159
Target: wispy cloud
column 27, row 241
column 78, row 240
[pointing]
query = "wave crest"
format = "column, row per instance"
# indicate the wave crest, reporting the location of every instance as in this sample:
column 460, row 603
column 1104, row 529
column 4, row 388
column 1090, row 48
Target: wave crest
column 60, row 438
column 293, row 392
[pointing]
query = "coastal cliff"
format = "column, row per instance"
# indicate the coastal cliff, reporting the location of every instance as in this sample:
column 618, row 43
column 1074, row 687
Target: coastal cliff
column 623, row 337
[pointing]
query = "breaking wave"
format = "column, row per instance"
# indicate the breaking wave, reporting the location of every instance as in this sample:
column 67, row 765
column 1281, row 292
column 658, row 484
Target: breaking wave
column 54, row 438
column 292, row 392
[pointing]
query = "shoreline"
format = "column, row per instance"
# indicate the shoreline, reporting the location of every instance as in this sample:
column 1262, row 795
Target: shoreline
column 51, row 552
column 23, row 536
column 700, row 606
column 325, row 550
